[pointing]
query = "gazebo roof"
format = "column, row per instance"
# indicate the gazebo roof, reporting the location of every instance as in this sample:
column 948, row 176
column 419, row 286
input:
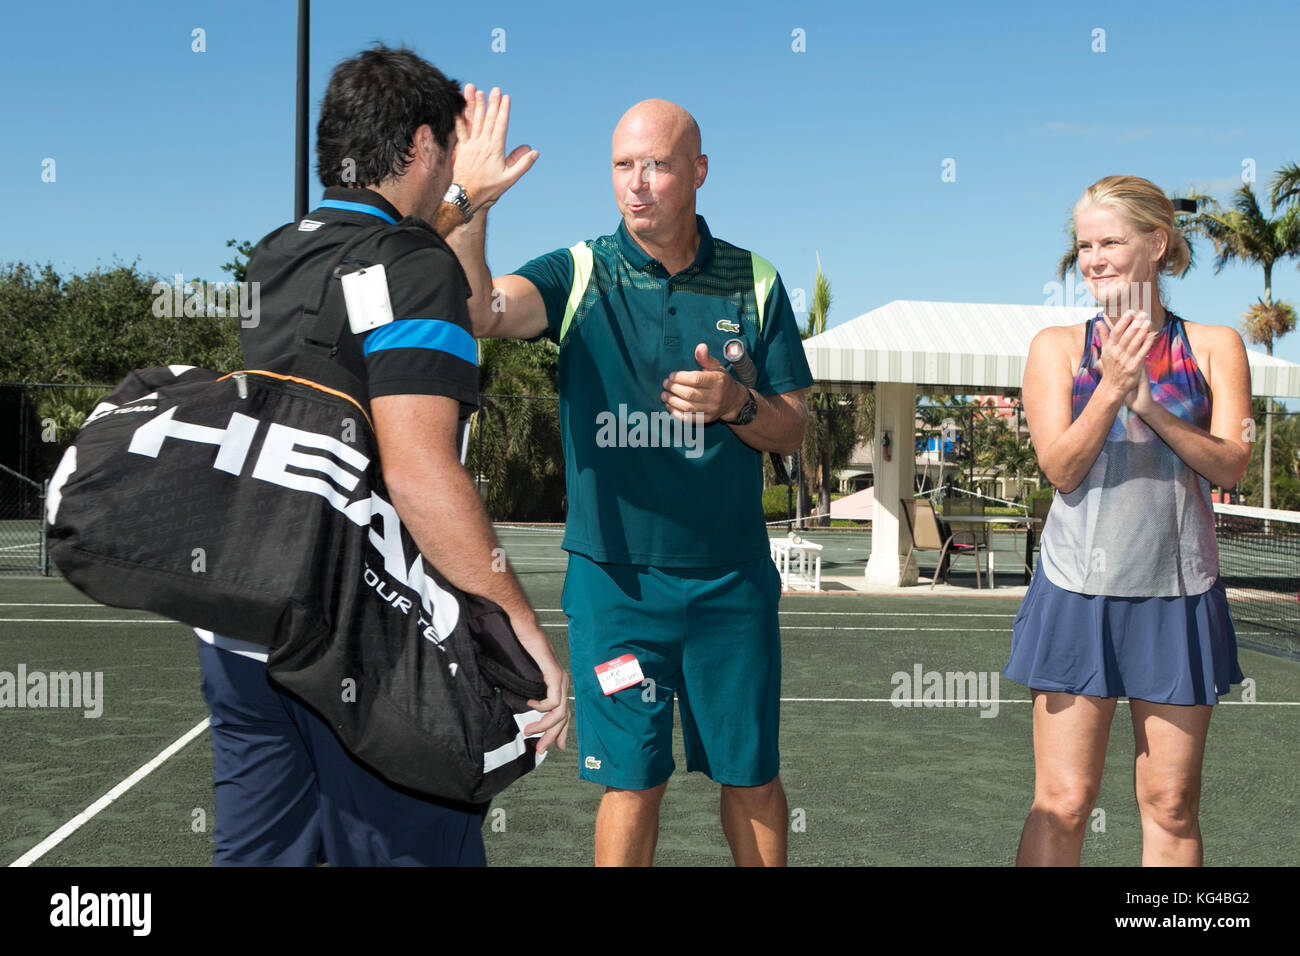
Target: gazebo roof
column 966, row 347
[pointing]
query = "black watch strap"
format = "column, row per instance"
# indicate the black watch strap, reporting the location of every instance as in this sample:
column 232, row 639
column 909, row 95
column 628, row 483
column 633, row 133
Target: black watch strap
column 747, row 411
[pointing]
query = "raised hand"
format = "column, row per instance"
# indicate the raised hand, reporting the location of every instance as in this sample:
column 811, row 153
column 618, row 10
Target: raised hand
column 482, row 167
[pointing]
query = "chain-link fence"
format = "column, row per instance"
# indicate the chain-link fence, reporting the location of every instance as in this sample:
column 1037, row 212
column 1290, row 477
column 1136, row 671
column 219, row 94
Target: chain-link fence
column 22, row 538
column 37, row 423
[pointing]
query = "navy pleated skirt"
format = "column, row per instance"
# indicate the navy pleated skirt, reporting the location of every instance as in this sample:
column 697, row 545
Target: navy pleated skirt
column 1167, row 650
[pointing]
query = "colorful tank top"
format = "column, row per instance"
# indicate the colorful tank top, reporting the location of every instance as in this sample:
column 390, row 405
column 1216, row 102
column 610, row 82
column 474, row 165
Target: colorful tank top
column 1141, row 523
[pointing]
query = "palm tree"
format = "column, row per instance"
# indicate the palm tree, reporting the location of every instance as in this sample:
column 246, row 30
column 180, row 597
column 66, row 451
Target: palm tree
column 1286, row 186
column 63, row 410
column 837, row 420
column 932, row 415
column 1003, row 449
column 1242, row 233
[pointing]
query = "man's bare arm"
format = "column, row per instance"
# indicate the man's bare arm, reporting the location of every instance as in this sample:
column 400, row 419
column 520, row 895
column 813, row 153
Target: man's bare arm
column 779, row 422
column 437, row 501
column 507, row 307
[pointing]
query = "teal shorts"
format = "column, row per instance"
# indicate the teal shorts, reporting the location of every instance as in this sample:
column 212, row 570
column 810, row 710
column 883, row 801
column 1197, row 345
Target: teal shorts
column 708, row 636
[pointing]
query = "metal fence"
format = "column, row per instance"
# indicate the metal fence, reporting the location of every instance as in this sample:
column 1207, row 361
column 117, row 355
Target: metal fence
column 37, row 423
column 22, row 530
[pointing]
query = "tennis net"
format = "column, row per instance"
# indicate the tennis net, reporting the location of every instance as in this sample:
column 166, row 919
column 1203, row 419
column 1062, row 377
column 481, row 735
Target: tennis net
column 1259, row 561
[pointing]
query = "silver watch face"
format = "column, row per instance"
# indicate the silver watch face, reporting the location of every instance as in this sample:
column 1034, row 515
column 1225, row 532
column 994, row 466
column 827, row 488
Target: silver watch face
column 455, row 195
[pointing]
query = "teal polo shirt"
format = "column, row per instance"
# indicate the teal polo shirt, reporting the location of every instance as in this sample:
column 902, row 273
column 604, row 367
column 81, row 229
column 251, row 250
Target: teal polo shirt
column 642, row 487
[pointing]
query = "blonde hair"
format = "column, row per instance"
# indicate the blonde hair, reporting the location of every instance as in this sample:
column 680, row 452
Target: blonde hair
column 1145, row 205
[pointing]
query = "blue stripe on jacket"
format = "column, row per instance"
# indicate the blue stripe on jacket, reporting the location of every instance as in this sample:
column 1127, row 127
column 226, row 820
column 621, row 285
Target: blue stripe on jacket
column 437, row 334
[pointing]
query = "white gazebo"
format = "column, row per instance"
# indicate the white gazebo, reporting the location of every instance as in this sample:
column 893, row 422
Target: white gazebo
column 906, row 347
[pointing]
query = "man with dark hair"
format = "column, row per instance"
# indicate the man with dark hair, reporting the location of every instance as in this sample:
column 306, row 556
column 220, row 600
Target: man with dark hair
column 373, row 107
column 390, row 127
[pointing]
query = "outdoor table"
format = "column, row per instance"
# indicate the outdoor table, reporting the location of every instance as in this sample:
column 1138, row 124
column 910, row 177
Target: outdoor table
column 960, row 522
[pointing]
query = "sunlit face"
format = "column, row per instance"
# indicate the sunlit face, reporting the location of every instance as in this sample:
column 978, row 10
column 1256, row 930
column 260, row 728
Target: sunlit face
column 655, row 176
column 1117, row 261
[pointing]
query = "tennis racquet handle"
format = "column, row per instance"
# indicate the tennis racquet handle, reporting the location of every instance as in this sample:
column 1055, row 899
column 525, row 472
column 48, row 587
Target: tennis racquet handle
column 741, row 363
column 734, row 351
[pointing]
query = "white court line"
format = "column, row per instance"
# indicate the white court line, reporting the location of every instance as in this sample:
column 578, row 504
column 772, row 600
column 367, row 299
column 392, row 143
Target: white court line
column 1001, row 700
column 555, row 610
column 784, row 627
column 898, row 613
column 65, row 831
column 842, row 627
column 913, row 613
column 812, row 627
column 84, row 620
column 43, row 604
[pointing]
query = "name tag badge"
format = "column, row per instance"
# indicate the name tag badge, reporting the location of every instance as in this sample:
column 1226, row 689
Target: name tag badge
column 619, row 674
column 366, row 295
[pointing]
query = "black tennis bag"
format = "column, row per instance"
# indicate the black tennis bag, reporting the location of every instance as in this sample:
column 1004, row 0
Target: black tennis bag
column 253, row 505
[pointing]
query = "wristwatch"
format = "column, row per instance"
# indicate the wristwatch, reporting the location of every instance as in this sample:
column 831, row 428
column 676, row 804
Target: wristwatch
column 747, row 411
column 455, row 195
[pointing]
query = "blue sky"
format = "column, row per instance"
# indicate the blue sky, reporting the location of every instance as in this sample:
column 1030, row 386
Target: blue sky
column 162, row 153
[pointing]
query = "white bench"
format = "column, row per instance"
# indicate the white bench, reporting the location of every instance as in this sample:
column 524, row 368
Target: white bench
column 799, row 562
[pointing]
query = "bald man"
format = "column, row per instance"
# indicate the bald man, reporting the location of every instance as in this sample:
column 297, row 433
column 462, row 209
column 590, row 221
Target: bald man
column 670, row 590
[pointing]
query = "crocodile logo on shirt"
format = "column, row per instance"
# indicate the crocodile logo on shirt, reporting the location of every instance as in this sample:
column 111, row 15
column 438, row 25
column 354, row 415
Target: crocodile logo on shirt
column 727, row 326
column 592, row 763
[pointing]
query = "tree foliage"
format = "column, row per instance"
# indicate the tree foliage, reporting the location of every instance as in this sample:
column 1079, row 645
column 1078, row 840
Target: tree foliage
column 1263, row 323
column 238, row 265
column 999, row 449
column 1285, row 472
column 836, row 423
column 94, row 328
column 515, row 440
column 1242, row 233
column 982, row 436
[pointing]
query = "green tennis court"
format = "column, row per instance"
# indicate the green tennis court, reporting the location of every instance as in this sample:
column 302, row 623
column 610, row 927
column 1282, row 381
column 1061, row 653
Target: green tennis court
column 20, row 545
column 869, row 780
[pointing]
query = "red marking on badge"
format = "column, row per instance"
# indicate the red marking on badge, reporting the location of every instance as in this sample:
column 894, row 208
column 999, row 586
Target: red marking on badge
column 619, row 674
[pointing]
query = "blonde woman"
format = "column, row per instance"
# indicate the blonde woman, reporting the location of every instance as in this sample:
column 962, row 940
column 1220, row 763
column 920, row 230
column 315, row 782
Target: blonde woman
column 1133, row 414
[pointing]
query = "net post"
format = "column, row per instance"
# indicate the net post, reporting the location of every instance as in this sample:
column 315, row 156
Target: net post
column 45, row 555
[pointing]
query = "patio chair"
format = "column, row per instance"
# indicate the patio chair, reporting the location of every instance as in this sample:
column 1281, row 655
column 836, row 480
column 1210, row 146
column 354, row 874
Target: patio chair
column 926, row 534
